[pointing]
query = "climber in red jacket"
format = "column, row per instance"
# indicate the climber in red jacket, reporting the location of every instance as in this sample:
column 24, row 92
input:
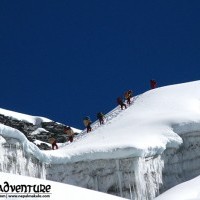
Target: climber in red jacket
column 153, row 84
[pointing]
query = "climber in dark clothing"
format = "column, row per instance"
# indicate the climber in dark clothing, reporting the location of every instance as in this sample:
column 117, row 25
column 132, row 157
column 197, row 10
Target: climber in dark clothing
column 121, row 103
column 87, row 122
column 128, row 96
column 53, row 142
column 100, row 117
column 153, row 84
column 68, row 130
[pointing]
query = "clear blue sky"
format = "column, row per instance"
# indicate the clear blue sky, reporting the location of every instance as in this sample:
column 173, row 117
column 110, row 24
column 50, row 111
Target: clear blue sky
column 70, row 58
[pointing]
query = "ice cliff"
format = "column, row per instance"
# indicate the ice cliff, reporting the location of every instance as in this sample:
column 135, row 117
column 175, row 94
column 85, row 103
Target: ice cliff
column 18, row 156
column 138, row 153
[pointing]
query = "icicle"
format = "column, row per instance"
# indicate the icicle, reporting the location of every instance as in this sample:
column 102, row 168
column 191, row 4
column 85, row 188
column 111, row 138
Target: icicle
column 131, row 195
column 131, row 185
column 96, row 183
column 43, row 170
column 139, row 179
column 119, row 177
column 148, row 177
column 14, row 160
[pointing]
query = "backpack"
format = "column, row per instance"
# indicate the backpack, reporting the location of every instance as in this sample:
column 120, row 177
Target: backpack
column 87, row 118
column 130, row 92
column 126, row 95
column 119, row 100
column 100, row 115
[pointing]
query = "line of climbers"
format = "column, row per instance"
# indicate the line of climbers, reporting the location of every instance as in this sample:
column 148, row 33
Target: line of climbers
column 127, row 95
column 87, row 122
column 68, row 131
column 122, row 102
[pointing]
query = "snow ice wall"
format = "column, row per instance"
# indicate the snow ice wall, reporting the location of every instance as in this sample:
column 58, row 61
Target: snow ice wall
column 132, row 178
column 182, row 164
column 15, row 160
column 137, row 178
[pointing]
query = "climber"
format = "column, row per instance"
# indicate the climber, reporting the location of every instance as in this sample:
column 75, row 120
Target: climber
column 121, row 103
column 53, row 142
column 100, row 117
column 153, row 84
column 128, row 96
column 87, row 122
column 68, row 130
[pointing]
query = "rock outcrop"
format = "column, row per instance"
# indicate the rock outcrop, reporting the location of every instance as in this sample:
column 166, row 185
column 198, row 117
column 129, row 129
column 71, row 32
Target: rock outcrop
column 45, row 130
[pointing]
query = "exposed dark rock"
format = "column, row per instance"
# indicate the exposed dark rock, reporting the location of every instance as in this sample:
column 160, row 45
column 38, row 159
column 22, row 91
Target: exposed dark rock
column 53, row 129
column 44, row 146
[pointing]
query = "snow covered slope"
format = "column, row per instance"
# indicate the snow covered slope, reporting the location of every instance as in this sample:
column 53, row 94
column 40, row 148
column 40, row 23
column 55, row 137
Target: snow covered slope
column 189, row 190
column 146, row 128
column 35, row 120
column 23, row 117
column 54, row 190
